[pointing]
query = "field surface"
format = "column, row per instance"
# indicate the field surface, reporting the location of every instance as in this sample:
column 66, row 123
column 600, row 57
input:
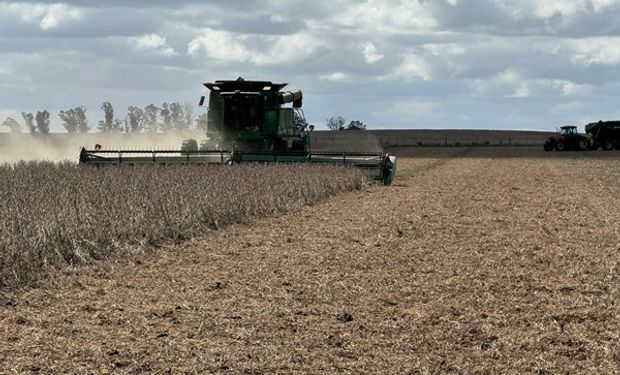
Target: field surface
column 476, row 261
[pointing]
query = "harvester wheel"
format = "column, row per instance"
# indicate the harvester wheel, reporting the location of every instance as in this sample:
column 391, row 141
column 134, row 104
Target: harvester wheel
column 560, row 146
column 298, row 146
column 280, row 146
column 608, row 145
column 583, row 145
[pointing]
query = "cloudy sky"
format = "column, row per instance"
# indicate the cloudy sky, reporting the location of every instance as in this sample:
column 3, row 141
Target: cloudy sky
column 489, row 64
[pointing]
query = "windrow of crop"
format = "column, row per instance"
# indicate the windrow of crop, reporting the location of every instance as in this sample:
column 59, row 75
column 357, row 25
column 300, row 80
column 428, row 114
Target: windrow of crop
column 54, row 216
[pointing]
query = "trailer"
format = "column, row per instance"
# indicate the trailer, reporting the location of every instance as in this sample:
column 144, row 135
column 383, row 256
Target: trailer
column 604, row 134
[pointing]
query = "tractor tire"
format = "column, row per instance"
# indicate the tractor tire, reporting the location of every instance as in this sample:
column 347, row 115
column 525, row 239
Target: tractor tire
column 560, row 146
column 608, row 145
column 547, row 147
column 583, row 145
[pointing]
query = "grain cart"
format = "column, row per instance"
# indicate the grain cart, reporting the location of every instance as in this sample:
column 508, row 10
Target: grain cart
column 604, row 134
column 249, row 121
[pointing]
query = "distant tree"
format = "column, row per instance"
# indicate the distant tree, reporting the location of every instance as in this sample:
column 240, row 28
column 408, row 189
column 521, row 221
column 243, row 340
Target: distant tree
column 166, row 124
column 202, row 122
column 188, row 109
column 136, row 119
column 69, row 121
column 82, row 120
column 356, row 125
column 177, row 117
column 75, row 120
column 150, row 118
column 335, row 123
column 43, row 122
column 13, row 125
column 106, row 125
column 117, row 126
column 29, row 119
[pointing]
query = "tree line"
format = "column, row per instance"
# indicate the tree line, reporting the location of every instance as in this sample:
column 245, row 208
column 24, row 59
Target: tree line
column 337, row 123
column 169, row 117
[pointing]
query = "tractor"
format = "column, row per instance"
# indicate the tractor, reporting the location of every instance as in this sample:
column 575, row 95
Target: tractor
column 568, row 138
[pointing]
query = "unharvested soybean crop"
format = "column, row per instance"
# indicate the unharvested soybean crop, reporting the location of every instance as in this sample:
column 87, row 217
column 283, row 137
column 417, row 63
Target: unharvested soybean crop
column 57, row 215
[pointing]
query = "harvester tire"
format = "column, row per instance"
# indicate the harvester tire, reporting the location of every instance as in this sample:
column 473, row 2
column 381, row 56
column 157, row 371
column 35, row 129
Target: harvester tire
column 583, row 145
column 608, row 145
column 560, row 146
column 280, row 146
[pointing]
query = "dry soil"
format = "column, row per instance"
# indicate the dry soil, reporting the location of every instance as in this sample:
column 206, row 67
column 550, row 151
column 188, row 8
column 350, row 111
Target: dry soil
column 476, row 261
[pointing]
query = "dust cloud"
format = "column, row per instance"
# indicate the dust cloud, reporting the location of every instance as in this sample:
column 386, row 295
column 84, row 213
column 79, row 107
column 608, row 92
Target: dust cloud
column 62, row 147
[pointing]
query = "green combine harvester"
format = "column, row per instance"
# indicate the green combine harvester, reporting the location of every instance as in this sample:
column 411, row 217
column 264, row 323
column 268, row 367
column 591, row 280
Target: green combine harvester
column 249, row 122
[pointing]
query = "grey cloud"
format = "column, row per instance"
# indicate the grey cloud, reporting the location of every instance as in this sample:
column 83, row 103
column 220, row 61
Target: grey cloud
column 493, row 17
column 91, row 24
column 92, row 59
column 261, row 25
column 115, row 3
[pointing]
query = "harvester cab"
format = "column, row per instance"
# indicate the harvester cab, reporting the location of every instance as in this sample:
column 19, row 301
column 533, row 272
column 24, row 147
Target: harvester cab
column 251, row 121
column 250, row 116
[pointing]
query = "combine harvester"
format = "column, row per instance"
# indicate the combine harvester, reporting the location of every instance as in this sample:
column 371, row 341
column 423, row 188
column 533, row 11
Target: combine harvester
column 247, row 122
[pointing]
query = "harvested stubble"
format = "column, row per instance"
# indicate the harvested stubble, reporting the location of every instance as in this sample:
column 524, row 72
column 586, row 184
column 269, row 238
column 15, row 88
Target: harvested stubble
column 58, row 215
column 472, row 262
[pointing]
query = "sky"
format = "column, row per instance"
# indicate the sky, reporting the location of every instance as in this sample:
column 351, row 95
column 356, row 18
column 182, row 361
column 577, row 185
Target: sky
column 467, row 64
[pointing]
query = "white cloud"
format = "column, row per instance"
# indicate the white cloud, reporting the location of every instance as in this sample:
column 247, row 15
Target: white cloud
column 567, row 8
column 47, row 17
column 523, row 91
column 288, row 49
column 219, row 45
column 335, row 77
column 152, row 43
column 227, row 47
column 58, row 15
column 507, row 83
column 570, row 88
column 508, row 76
column 370, row 53
column 595, row 51
column 413, row 67
column 511, row 83
column 392, row 16
column 550, row 8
